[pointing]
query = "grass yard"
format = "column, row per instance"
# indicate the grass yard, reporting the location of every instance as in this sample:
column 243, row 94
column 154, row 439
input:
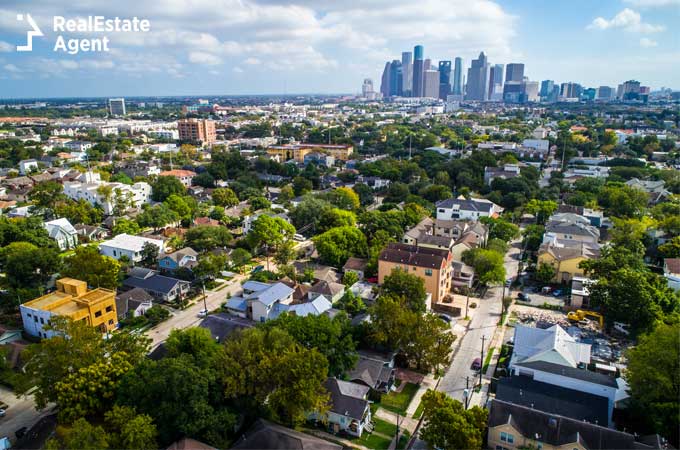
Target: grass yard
column 398, row 401
column 373, row 441
column 487, row 359
column 384, row 427
column 419, row 410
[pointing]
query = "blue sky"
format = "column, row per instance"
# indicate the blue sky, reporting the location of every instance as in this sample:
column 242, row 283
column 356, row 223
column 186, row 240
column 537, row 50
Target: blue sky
column 201, row 47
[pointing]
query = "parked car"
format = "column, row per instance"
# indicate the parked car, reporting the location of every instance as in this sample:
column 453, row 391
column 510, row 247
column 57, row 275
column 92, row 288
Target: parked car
column 508, row 282
column 3, row 412
column 298, row 237
column 257, row 269
column 203, row 313
column 445, row 317
column 476, row 364
column 557, row 293
column 522, row 296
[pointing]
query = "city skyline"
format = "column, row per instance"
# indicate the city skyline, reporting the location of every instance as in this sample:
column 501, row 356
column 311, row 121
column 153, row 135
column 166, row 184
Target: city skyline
column 270, row 47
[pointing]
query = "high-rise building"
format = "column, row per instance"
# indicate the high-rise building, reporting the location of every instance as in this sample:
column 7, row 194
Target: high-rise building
column 514, row 72
column 530, row 91
column 396, row 78
column 552, row 98
column 367, row 91
column 605, row 94
column 444, row 79
column 385, row 81
column 458, row 76
column 418, row 71
column 546, row 88
column 431, row 84
column 496, row 82
column 428, row 64
column 478, row 79
column 407, row 73
column 117, row 106
column 571, row 91
column 197, row 130
column 630, row 90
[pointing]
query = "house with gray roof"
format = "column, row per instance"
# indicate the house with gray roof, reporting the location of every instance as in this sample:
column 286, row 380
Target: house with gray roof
column 466, row 209
column 63, row 233
column 349, row 410
column 265, row 435
column 162, row 288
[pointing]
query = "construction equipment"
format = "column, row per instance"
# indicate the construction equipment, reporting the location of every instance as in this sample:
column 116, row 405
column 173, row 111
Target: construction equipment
column 580, row 314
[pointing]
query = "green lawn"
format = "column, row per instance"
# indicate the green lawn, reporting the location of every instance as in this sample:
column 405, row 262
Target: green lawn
column 398, row 401
column 373, row 441
column 419, row 410
column 487, row 360
column 384, row 427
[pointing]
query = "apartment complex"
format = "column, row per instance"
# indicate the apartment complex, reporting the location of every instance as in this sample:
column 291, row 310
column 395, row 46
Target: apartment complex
column 197, row 130
column 298, row 152
column 91, row 188
column 433, row 265
column 72, row 299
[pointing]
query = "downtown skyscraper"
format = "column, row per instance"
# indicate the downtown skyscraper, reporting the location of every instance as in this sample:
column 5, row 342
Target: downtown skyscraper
column 407, row 73
column 478, row 79
column 496, row 83
column 444, row 79
column 418, row 71
column 458, row 76
column 514, row 78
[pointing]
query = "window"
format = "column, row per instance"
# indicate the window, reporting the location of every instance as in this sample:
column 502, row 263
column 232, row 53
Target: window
column 109, row 308
column 507, row 437
column 110, row 321
column 42, row 321
column 414, row 269
column 428, row 272
column 98, row 313
column 262, row 319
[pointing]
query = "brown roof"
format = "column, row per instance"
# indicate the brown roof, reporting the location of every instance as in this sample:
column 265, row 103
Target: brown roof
column 414, row 256
column 189, row 444
column 672, row 264
column 355, row 264
column 178, row 173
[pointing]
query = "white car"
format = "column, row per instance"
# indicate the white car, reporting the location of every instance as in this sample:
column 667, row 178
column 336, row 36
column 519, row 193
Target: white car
column 298, row 237
column 203, row 313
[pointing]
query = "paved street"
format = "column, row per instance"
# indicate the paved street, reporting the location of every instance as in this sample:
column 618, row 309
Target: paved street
column 189, row 317
column 21, row 413
column 484, row 322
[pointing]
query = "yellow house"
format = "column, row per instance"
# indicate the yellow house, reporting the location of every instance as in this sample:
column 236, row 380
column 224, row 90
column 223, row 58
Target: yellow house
column 566, row 259
column 71, row 299
column 512, row 426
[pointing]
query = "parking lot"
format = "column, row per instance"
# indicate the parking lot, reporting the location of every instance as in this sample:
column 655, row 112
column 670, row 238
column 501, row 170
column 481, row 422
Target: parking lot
column 538, row 298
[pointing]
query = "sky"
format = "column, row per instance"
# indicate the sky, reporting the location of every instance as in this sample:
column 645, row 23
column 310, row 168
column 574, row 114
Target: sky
column 231, row 47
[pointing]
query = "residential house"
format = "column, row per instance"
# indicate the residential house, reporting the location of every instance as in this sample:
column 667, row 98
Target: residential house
column 433, row 266
column 260, row 301
column 63, row 233
column 331, row 290
column 356, row 265
column 374, row 370
column 183, row 258
column 128, row 245
column 565, row 257
column 91, row 232
column 27, row 166
column 265, row 435
column 595, row 217
column 320, row 159
column 91, row 188
column 140, row 168
column 349, row 410
column 571, row 230
column 223, row 325
column 506, row 172
column 96, row 307
column 552, row 344
column 189, row 444
column 579, row 297
column 671, row 270
column 513, row 426
column 184, row 176
column 375, row 183
column 133, row 303
column 161, row 287
column 298, row 152
column 656, row 189
column 466, row 209
column 462, row 275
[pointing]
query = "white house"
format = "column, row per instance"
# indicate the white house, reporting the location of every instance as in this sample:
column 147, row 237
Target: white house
column 27, row 166
column 466, row 209
column 553, row 345
column 128, row 245
column 261, row 301
column 63, row 232
column 349, row 407
column 91, row 188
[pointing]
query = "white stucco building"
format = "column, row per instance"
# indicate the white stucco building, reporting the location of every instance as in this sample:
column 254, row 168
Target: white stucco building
column 91, row 188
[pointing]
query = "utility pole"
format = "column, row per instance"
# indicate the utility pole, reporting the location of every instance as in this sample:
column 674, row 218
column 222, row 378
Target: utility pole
column 481, row 362
column 205, row 304
column 467, row 391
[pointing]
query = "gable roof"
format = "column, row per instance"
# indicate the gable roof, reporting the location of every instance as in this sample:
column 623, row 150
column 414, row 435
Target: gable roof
column 264, row 435
column 672, row 265
column 328, row 288
column 55, row 225
column 552, row 344
column 315, row 307
column 557, row 430
column 587, row 376
column 155, row 283
column 347, row 398
column 370, row 371
column 467, row 204
column 274, row 293
column 181, row 253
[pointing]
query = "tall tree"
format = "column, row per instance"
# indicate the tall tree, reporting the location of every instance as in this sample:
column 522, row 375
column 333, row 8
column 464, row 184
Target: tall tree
column 448, row 425
column 88, row 265
column 336, row 245
column 410, row 287
column 164, row 187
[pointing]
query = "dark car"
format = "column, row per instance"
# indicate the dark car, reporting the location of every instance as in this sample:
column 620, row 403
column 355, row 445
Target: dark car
column 445, row 318
column 257, row 269
column 476, row 364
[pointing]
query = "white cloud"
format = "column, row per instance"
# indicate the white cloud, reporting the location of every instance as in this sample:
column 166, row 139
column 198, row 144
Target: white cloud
column 628, row 20
column 204, row 58
column 648, row 43
column 6, row 47
column 252, row 61
column 653, row 3
column 11, row 68
column 237, row 69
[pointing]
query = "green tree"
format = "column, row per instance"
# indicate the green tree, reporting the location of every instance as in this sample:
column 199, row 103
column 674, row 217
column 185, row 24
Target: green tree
column 79, row 212
column 269, row 369
column 349, row 278
column 447, row 424
column 545, row 273
column 183, row 206
column 165, row 186
column 88, row 265
column 308, row 212
column 500, row 229
column 653, row 375
column 45, row 196
column 344, row 198
column 224, row 197
column 302, row 186
column 333, row 217
column 351, row 303
column 331, row 337
column 28, row 266
column 85, row 436
column 429, row 344
column 130, row 430
column 259, row 202
column 270, row 232
column 671, row 249
column 125, row 226
column 285, row 253
column 149, row 254
column 196, row 342
column 157, row 216
column 286, row 195
column 410, row 287
column 210, row 265
column 336, row 245
column 240, row 257
column 622, row 201
column 206, row 237
column 365, row 193
column 541, row 209
column 488, row 265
